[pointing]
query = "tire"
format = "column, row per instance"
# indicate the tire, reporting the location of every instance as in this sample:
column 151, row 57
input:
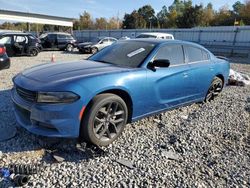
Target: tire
column 214, row 89
column 34, row 52
column 69, row 47
column 105, row 119
column 94, row 50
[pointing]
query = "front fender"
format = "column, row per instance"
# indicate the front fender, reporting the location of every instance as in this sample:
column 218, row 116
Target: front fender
column 133, row 83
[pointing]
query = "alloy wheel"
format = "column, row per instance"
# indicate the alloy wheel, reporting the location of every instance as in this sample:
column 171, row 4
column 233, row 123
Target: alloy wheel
column 108, row 121
column 215, row 89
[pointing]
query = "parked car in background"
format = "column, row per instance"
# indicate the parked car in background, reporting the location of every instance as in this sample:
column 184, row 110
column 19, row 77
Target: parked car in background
column 96, row 44
column 156, row 35
column 18, row 43
column 124, row 38
column 58, row 41
column 4, row 59
column 94, row 99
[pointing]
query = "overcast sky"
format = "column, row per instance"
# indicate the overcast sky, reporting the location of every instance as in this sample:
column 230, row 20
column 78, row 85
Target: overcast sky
column 97, row 8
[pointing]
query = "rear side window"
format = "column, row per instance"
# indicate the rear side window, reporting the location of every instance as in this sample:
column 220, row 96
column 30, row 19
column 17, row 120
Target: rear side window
column 169, row 37
column 206, row 56
column 174, row 53
column 52, row 37
column 146, row 36
column 194, row 54
column 5, row 40
column 61, row 36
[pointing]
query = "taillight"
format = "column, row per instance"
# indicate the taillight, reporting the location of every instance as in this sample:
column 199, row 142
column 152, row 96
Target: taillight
column 2, row 50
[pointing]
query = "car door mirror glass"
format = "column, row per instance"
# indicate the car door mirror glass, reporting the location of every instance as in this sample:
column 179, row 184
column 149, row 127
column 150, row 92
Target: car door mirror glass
column 161, row 63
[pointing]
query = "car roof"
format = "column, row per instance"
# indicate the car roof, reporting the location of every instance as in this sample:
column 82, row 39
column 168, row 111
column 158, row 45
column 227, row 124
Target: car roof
column 103, row 37
column 14, row 33
column 164, row 41
column 156, row 34
column 57, row 33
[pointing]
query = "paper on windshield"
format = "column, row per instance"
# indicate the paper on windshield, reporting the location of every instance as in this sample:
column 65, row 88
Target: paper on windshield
column 140, row 50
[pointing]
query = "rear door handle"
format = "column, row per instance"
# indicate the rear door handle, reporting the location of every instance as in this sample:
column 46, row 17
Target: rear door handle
column 211, row 68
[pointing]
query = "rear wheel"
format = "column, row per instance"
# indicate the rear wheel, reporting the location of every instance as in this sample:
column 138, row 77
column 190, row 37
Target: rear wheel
column 33, row 52
column 104, row 120
column 69, row 48
column 214, row 89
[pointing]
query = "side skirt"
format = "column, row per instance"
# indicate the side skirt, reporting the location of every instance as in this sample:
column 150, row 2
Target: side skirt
column 166, row 109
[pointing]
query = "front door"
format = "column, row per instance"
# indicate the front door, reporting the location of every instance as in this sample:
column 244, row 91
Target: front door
column 169, row 87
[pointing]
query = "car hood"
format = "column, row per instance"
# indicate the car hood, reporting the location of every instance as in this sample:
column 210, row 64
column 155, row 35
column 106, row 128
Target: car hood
column 55, row 72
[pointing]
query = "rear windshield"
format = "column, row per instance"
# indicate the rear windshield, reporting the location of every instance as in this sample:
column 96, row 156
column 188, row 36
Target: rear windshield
column 125, row 53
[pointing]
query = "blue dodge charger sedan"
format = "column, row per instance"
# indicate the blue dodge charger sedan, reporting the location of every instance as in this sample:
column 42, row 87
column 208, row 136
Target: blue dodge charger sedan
column 95, row 98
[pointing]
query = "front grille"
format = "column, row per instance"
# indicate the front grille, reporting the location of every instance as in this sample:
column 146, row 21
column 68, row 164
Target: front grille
column 27, row 95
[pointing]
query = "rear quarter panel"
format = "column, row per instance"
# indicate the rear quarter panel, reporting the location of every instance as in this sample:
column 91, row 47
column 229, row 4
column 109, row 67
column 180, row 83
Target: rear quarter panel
column 222, row 67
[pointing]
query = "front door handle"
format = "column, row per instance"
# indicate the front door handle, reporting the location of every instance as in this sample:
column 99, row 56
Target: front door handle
column 211, row 68
column 185, row 75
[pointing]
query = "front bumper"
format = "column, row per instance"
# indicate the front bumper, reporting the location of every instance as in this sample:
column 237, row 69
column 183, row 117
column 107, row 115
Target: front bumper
column 51, row 120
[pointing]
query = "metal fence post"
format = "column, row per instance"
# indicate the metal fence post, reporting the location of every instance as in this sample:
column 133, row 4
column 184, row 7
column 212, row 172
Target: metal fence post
column 234, row 41
column 199, row 36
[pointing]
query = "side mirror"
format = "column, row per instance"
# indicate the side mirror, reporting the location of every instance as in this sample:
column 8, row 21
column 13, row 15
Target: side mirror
column 159, row 63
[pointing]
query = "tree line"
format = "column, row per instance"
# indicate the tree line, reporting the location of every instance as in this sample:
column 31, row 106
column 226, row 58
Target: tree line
column 183, row 14
column 180, row 14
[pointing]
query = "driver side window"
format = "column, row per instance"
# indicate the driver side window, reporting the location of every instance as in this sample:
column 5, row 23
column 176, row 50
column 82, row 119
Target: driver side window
column 20, row 39
column 173, row 53
column 105, row 41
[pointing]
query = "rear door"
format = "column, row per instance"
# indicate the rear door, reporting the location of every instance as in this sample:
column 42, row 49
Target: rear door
column 168, row 87
column 51, row 41
column 62, row 41
column 7, row 41
column 20, row 44
column 202, row 69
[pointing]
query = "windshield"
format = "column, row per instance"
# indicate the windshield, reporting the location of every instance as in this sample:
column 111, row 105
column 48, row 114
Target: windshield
column 146, row 36
column 125, row 53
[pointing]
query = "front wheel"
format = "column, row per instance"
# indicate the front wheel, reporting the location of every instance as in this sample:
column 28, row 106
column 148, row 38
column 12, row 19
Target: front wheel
column 104, row 120
column 69, row 48
column 94, row 50
column 214, row 89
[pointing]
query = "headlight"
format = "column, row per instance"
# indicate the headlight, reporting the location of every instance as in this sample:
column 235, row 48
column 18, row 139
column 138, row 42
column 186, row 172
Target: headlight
column 57, row 97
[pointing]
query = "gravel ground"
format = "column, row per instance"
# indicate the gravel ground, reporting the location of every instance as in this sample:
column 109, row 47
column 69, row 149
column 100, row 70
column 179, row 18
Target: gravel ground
column 202, row 145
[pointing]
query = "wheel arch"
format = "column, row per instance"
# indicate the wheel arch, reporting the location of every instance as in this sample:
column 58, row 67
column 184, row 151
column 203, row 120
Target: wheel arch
column 121, row 93
column 221, row 77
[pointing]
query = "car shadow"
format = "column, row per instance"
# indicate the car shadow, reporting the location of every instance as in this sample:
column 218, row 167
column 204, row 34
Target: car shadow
column 73, row 52
column 24, row 144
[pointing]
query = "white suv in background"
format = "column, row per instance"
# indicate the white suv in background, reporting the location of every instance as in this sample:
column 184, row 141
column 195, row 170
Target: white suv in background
column 156, row 36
